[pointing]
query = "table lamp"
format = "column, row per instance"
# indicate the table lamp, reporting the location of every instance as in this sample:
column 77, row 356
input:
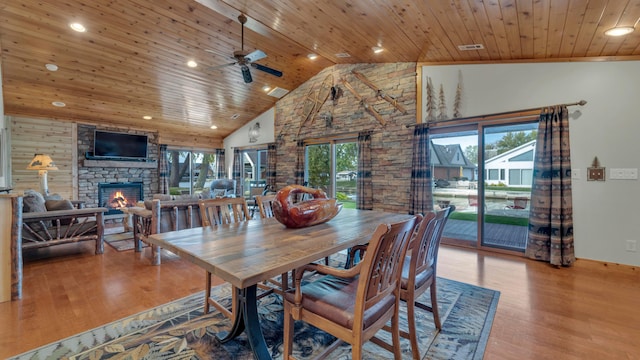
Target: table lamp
column 42, row 163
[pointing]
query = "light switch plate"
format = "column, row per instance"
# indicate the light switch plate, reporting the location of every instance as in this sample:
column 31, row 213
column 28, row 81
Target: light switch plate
column 616, row 174
column 575, row 174
column 631, row 174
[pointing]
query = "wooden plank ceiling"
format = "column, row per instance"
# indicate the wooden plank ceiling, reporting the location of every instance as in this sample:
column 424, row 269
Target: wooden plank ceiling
column 131, row 61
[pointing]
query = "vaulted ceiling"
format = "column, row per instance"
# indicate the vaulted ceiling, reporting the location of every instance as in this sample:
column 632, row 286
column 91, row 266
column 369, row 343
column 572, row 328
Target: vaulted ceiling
column 132, row 59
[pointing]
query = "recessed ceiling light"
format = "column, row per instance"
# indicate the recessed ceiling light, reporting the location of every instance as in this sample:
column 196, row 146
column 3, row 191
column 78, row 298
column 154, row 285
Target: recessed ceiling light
column 312, row 56
column 58, row 104
column 78, row 27
column 377, row 49
column 51, row 67
column 147, row 117
column 343, row 55
column 619, row 31
column 213, row 127
column 192, row 63
column 235, row 116
column 266, row 88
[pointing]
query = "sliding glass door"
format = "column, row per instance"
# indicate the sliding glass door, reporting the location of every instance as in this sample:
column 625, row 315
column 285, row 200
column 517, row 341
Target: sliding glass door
column 508, row 174
column 454, row 169
column 485, row 171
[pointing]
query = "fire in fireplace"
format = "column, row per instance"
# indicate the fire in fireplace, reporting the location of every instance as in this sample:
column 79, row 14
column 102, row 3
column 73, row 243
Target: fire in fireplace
column 115, row 196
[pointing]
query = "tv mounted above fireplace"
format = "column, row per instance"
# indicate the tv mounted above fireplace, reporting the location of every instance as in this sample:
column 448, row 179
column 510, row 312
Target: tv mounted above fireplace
column 114, row 145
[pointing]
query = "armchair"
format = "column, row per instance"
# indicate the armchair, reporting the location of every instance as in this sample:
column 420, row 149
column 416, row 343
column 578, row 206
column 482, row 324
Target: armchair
column 223, row 188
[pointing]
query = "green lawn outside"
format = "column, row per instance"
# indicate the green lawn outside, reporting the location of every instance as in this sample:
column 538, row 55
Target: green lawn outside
column 348, row 204
column 494, row 219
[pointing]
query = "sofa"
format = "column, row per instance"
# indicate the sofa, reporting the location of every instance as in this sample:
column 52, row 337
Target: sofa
column 165, row 213
column 51, row 220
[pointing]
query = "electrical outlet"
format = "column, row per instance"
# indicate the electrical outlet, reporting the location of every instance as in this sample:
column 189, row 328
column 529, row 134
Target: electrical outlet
column 632, row 245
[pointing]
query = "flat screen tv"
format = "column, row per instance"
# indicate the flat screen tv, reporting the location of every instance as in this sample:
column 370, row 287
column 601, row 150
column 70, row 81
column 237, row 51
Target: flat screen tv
column 115, row 145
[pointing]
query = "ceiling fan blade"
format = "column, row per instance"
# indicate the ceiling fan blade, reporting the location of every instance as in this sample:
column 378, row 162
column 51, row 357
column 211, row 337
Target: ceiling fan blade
column 267, row 69
column 255, row 56
column 221, row 66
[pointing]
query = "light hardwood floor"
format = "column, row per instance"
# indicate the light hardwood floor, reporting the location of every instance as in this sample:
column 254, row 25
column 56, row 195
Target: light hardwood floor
column 588, row 311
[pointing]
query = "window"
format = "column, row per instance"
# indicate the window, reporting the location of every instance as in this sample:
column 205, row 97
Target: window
column 254, row 165
column 521, row 177
column 333, row 168
column 190, row 172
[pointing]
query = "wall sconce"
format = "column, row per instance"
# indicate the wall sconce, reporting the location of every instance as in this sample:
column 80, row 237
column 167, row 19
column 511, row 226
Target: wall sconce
column 42, row 163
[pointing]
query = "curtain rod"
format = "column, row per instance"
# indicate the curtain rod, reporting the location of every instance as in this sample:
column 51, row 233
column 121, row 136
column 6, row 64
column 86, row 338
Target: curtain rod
column 581, row 103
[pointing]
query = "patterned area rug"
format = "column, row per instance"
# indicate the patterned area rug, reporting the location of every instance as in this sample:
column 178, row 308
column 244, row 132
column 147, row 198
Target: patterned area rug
column 121, row 241
column 179, row 330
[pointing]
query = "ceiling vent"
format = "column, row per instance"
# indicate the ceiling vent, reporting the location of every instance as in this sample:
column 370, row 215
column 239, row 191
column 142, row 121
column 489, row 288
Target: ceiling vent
column 278, row 92
column 470, row 47
column 343, row 55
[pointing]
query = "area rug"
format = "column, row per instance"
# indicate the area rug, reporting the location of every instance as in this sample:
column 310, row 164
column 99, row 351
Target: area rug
column 121, row 241
column 179, row 330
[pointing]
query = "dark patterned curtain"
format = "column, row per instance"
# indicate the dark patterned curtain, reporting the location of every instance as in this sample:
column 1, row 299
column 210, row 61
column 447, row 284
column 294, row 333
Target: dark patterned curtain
column 551, row 217
column 163, row 170
column 237, row 173
column 299, row 171
column 221, row 171
column 271, row 166
column 421, row 198
column 364, row 185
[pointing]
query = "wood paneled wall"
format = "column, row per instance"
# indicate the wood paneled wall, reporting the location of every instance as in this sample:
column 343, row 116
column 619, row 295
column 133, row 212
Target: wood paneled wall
column 58, row 139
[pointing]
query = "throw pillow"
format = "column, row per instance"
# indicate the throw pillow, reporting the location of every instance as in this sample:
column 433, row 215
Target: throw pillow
column 53, row 205
column 33, row 201
column 218, row 193
column 53, row 197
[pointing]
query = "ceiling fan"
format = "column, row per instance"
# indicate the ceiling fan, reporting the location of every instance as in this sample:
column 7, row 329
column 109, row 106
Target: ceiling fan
column 245, row 60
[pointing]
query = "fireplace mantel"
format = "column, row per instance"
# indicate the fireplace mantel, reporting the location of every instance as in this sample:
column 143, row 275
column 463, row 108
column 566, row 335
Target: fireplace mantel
column 120, row 164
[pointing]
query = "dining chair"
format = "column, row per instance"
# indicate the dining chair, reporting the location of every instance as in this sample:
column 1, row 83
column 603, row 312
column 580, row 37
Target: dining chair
column 419, row 272
column 223, row 211
column 218, row 212
column 264, row 205
column 353, row 304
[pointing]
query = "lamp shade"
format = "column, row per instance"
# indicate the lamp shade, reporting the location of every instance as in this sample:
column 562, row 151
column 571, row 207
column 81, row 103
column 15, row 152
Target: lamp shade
column 42, row 162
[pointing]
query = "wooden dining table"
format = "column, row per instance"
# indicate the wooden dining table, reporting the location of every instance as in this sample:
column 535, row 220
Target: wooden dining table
column 250, row 252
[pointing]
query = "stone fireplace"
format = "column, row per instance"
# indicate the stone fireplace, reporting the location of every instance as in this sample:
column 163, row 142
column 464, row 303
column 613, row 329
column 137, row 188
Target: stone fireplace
column 115, row 196
column 92, row 173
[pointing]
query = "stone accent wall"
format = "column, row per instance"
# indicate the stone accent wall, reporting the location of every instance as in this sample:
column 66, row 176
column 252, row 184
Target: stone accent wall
column 391, row 144
column 90, row 177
